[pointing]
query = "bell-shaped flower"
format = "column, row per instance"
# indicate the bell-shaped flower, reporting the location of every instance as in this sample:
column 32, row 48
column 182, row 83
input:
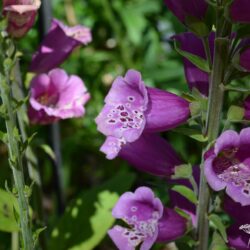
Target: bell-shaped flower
column 184, row 9
column 132, row 108
column 150, row 153
column 56, row 96
column 228, row 167
column 195, row 77
column 21, row 15
column 239, row 11
column 239, row 232
column 148, row 221
column 57, row 45
column 247, row 108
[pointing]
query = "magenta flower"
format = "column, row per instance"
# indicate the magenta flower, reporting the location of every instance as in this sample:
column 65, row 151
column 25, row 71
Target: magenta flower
column 183, row 9
column 150, row 153
column 228, row 167
column 56, row 96
column 21, row 15
column 239, row 232
column 247, row 108
column 195, row 77
column 239, row 11
column 57, row 45
column 147, row 219
column 132, row 108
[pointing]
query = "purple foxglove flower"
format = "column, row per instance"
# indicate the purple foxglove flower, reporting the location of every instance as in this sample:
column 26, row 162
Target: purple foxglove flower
column 183, row 8
column 56, row 96
column 239, row 11
column 238, row 233
column 57, row 45
column 229, row 165
column 147, row 219
column 150, row 153
column 21, row 15
column 195, row 77
column 132, row 108
column 244, row 60
column 247, row 108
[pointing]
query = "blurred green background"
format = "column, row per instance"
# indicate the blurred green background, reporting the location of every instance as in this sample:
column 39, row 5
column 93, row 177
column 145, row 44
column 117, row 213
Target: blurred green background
column 126, row 34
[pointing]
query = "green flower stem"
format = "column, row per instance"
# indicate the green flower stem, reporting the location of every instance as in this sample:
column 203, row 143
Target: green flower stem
column 15, row 161
column 215, row 104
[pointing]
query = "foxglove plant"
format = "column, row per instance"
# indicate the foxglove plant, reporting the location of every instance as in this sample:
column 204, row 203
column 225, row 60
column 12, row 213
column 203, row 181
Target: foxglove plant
column 56, row 96
column 148, row 221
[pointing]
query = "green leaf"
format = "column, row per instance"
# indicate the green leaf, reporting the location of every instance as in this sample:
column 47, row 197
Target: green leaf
column 193, row 133
column 8, row 204
column 88, row 217
column 48, row 150
column 183, row 171
column 235, row 113
column 216, row 220
column 218, row 243
column 197, row 26
column 196, row 60
column 186, row 192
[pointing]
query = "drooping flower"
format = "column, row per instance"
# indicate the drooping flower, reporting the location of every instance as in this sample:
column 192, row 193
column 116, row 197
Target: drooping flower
column 148, row 221
column 57, row 45
column 132, row 108
column 239, row 11
column 195, row 77
column 21, row 15
column 239, row 232
column 56, row 96
column 247, row 108
column 150, row 153
column 228, row 167
column 183, row 9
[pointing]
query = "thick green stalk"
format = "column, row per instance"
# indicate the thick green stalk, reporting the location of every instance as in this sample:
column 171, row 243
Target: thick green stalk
column 15, row 160
column 213, row 124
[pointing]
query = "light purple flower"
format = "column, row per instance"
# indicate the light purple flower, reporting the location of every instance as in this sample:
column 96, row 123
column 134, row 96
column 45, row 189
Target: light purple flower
column 183, row 9
column 239, row 232
column 239, row 11
column 148, row 221
column 132, row 108
column 229, row 165
column 57, row 45
column 247, row 108
column 56, row 96
column 195, row 77
column 150, row 153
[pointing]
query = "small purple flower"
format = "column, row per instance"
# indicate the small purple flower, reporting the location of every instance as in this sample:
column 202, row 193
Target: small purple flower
column 244, row 60
column 150, row 153
column 56, row 96
column 183, row 9
column 196, row 78
column 132, row 108
column 229, row 165
column 239, row 232
column 57, row 45
column 239, row 11
column 247, row 108
column 147, row 219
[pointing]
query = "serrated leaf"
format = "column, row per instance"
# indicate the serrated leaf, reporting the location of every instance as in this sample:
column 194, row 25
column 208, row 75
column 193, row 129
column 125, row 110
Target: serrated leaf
column 216, row 220
column 218, row 243
column 8, row 207
column 196, row 60
column 186, row 192
column 88, row 217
